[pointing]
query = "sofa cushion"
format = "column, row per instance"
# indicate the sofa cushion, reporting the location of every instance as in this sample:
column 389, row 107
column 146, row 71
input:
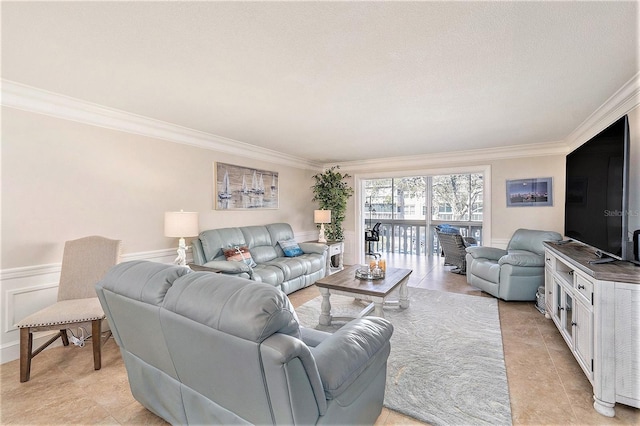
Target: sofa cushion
column 280, row 231
column 215, row 240
column 141, row 280
column 531, row 240
column 291, row 267
column 486, row 269
column 290, row 248
column 269, row 274
column 246, row 309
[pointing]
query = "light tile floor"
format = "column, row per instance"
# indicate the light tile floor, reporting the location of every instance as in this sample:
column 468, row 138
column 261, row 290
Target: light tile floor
column 546, row 385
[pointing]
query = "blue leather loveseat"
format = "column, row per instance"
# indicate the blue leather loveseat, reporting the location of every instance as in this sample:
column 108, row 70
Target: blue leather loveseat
column 205, row 349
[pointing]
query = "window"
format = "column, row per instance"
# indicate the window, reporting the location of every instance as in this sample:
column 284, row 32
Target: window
column 410, row 207
column 457, row 197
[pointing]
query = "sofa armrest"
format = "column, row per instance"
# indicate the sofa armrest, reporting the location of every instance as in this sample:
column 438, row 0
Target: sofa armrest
column 344, row 355
column 491, row 253
column 284, row 348
column 198, row 252
column 319, row 248
column 227, row 267
column 522, row 259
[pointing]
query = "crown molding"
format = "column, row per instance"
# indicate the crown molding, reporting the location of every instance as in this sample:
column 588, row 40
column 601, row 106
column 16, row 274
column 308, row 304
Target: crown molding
column 626, row 99
column 31, row 99
column 456, row 157
column 620, row 103
column 27, row 98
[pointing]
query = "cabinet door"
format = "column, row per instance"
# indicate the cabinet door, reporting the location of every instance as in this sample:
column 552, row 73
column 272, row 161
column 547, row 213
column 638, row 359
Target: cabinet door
column 583, row 336
column 567, row 321
column 558, row 303
column 548, row 290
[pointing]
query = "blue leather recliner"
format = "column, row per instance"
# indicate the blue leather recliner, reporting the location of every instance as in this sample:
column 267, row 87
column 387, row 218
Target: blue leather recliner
column 206, row 348
column 514, row 273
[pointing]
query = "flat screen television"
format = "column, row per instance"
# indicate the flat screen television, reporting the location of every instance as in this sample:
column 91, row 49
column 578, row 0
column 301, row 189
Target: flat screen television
column 597, row 193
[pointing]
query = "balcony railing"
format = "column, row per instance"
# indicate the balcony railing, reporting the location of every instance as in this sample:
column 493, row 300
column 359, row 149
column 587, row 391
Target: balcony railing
column 413, row 236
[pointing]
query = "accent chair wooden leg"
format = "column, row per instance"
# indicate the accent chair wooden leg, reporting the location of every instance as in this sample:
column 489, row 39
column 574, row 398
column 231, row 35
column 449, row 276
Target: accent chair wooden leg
column 96, row 341
column 64, row 337
column 26, row 345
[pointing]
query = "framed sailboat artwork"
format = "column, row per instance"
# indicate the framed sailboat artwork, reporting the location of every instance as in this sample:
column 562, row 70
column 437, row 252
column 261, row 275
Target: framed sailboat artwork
column 244, row 188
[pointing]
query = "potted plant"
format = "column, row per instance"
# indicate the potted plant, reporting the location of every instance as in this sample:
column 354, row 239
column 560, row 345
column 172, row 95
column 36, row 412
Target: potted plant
column 332, row 192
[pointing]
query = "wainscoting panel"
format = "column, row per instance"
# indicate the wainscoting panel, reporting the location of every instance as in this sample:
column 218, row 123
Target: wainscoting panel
column 500, row 243
column 26, row 290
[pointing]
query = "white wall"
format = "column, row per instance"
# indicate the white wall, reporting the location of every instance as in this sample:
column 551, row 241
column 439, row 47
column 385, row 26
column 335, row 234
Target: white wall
column 505, row 220
column 63, row 180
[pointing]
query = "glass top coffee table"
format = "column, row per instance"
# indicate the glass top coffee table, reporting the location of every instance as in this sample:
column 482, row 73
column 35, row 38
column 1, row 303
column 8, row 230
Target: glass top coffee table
column 376, row 291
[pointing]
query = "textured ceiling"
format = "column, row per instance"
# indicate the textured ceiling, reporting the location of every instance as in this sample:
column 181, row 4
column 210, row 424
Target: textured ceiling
column 334, row 81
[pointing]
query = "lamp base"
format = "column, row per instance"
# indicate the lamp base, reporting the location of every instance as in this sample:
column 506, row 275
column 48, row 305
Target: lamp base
column 321, row 238
column 182, row 253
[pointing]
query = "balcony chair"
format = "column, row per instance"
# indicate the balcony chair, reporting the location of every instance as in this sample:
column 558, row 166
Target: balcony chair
column 454, row 250
column 372, row 236
column 84, row 262
column 514, row 273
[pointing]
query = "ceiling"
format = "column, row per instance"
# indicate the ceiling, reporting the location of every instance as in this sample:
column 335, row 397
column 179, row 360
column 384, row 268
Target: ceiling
column 334, row 81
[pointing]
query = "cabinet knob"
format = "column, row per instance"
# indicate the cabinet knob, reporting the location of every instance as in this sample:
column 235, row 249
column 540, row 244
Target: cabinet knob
column 570, row 272
column 562, row 308
column 580, row 287
column 573, row 324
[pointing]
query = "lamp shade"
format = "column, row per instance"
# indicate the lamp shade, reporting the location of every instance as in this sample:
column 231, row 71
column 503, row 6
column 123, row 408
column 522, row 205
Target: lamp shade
column 181, row 224
column 322, row 216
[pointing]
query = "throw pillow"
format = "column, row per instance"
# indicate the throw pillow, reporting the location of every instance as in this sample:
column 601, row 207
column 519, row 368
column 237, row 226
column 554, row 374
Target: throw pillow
column 290, row 248
column 239, row 254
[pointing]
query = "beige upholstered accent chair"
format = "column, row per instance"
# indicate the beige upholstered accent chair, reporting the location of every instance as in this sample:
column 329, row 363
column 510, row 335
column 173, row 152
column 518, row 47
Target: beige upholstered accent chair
column 84, row 262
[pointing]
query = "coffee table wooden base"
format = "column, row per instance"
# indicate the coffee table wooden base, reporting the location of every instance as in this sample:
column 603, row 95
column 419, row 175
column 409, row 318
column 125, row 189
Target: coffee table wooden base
column 376, row 305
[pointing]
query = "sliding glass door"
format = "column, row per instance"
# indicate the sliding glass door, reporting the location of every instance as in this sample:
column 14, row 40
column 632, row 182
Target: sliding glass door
column 408, row 209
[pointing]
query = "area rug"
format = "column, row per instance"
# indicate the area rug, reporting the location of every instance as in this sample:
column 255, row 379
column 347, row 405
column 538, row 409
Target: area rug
column 446, row 365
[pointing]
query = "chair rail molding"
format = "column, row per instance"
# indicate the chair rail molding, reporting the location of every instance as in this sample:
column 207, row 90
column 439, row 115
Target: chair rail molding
column 25, row 290
column 500, row 243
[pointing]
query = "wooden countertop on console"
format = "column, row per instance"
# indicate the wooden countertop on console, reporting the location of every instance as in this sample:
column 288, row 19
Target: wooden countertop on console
column 580, row 254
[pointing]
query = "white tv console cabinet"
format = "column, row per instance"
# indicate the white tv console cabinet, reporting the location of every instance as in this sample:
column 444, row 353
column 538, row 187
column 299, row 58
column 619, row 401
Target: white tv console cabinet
column 596, row 307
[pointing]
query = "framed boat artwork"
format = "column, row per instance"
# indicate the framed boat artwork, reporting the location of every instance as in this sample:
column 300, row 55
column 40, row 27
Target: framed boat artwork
column 244, row 188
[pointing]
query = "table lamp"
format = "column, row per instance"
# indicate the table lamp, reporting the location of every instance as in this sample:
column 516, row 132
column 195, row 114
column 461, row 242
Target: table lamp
column 322, row 217
column 179, row 225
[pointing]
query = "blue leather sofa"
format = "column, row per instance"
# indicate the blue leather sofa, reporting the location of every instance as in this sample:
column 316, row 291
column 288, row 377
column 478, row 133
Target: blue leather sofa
column 203, row 348
column 272, row 266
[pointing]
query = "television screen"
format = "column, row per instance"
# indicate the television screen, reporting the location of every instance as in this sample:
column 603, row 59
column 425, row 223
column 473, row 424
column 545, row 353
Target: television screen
column 596, row 193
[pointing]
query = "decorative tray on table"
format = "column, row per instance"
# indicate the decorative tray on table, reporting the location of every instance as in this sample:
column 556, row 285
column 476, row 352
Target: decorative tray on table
column 365, row 273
